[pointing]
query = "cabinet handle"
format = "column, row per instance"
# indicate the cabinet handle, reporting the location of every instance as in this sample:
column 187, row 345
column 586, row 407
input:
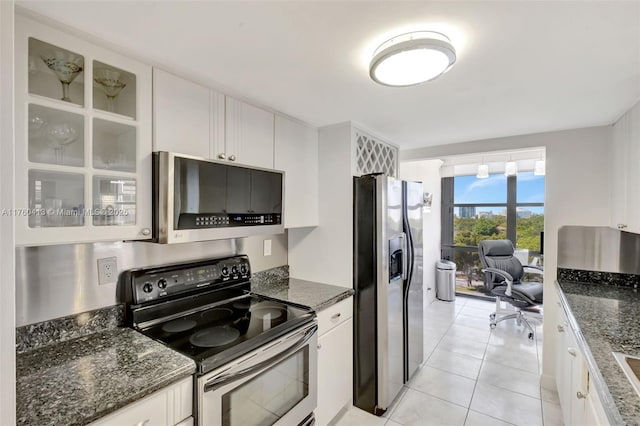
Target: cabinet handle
column 560, row 329
column 143, row 423
column 581, row 395
column 232, row 157
column 222, row 156
column 622, row 226
column 146, row 232
column 335, row 316
column 571, row 351
column 319, row 346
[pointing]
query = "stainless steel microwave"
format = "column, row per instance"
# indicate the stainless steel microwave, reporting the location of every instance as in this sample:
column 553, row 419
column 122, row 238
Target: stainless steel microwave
column 196, row 199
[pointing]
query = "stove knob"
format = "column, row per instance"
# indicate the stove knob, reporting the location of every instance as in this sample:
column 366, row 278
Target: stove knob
column 162, row 283
column 147, row 287
column 225, row 271
column 234, row 270
column 243, row 269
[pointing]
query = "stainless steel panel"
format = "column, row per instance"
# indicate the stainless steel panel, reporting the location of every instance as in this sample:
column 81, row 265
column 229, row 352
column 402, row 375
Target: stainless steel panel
column 55, row 281
column 598, row 248
column 390, row 301
column 414, row 294
column 166, row 232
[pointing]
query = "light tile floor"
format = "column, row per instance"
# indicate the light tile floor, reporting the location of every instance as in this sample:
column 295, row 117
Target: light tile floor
column 472, row 375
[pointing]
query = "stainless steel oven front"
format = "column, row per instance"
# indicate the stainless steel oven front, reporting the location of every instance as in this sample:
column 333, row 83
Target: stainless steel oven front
column 273, row 385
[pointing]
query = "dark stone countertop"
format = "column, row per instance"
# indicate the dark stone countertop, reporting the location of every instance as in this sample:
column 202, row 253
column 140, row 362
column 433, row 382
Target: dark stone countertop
column 605, row 320
column 78, row 381
column 315, row 295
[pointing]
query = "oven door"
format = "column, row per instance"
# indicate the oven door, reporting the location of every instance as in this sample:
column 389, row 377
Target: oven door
column 273, row 385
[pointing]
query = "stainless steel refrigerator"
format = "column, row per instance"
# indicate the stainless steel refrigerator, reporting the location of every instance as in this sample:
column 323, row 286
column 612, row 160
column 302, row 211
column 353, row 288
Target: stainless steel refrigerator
column 388, row 270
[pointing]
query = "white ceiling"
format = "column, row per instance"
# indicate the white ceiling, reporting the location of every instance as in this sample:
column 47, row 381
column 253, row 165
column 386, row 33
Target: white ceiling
column 523, row 67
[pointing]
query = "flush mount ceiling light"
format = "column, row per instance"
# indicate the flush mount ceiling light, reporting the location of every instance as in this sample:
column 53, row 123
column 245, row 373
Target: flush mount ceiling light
column 412, row 58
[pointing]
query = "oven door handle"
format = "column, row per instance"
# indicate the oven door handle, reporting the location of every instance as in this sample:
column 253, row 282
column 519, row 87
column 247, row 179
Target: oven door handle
column 231, row 375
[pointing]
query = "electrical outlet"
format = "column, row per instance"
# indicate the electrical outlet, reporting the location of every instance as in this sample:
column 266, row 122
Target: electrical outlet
column 267, row 248
column 107, row 270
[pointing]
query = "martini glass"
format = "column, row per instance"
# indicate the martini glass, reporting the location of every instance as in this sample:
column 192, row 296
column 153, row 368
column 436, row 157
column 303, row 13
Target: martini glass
column 66, row 66
column 60, row 135
column 37, row 123
column 111, row 84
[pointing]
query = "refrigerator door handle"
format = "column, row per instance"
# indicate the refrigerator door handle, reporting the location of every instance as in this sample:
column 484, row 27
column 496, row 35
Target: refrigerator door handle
column 405, row 256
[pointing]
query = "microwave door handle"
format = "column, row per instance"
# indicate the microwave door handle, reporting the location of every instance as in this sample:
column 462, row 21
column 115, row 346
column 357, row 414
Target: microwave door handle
column 231, row 374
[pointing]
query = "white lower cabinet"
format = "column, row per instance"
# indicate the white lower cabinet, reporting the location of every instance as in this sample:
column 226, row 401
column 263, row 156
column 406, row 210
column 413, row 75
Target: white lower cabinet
column 335, row 360
column 170, row 406
column 579, row 401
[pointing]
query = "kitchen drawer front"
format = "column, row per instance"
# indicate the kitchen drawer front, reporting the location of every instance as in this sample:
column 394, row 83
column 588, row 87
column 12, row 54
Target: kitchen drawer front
column 149, row 411
column 334, row 315
column 166, row 407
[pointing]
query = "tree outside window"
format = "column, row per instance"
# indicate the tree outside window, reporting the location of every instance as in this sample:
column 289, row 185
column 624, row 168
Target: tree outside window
column 489, row 209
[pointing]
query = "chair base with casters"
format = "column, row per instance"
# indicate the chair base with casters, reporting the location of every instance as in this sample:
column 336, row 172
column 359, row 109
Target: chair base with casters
column 502, row 314
column 503, row 272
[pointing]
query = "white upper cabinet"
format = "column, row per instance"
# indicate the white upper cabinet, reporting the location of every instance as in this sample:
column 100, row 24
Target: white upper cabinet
column 248, row 135
column 83, row 140
column 187, row 118
column 181, row 115
column 195, row 120
column 296, row 153
column 625, row 173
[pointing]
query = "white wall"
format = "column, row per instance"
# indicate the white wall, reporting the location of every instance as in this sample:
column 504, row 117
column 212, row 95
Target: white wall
column 577, row 184
column 7, row 279
column 428, row 172
column 325, row 253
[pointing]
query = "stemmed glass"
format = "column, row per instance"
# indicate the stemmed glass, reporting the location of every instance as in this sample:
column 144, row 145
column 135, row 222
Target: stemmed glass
column 111, row 84
column 66, row 65
column 60, row 135
column 37, row 123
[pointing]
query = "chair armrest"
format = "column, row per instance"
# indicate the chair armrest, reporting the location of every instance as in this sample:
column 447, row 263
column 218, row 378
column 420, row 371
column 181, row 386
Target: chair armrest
column 532, row 269
column 507, row 278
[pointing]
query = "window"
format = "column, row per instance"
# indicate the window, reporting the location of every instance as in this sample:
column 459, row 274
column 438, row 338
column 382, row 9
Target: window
column 494, row 208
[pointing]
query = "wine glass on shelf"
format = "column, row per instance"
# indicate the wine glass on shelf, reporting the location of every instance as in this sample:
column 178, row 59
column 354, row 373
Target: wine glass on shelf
column 111, row 84
column 66, row 66
column 37, row 123
column 59, row 135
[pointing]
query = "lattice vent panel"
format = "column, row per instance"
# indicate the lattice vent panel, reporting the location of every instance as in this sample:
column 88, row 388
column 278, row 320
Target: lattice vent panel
column 373, row 156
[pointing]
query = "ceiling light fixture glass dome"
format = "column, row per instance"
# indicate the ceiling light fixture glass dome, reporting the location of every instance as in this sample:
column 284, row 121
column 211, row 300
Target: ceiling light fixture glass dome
column 412, row 58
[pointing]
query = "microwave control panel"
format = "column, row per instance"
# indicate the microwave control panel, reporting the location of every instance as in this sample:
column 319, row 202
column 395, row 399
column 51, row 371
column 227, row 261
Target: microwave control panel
column 226, row 220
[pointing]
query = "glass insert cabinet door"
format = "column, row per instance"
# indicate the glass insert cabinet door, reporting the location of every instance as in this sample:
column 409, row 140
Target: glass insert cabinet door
column 83, row 139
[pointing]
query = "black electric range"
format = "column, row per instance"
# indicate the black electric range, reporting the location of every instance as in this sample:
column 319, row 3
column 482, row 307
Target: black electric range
column 205, row 310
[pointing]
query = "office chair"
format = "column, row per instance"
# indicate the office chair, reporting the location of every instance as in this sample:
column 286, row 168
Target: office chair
column 502, row 275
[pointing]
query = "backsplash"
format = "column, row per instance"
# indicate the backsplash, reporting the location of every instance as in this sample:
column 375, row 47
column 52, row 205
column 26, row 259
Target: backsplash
column 597, row 277
column 62, row 280
column 270, row 275
column 598, row 248
column 35, row 336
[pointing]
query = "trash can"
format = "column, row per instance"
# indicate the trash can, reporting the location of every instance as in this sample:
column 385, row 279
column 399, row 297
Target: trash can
column 446, row 280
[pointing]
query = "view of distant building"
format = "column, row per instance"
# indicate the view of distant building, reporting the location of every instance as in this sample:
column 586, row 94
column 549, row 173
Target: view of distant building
column 467, row 212
column 487, row 215
column 523, row 213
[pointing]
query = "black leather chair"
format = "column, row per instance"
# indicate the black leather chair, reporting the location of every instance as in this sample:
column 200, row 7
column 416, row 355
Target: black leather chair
column 503, row 273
